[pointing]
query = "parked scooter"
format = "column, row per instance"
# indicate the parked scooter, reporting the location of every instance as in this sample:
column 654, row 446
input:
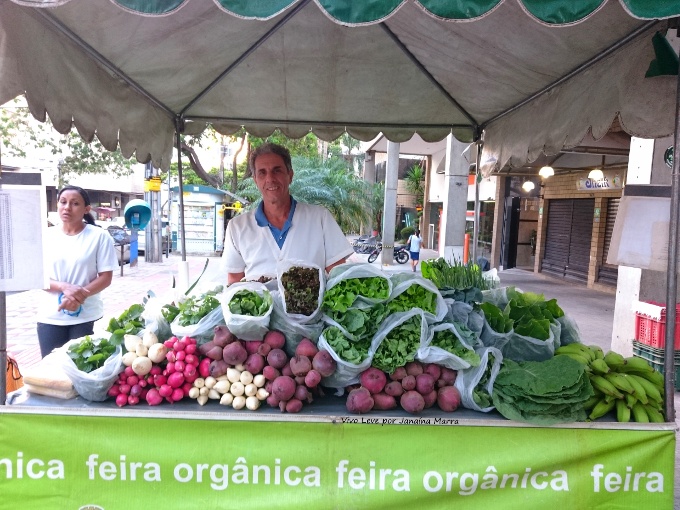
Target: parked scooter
column 365, row 244
column 400, row 254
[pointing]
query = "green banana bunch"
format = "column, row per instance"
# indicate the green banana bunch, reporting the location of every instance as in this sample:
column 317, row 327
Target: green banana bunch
column 627, row 385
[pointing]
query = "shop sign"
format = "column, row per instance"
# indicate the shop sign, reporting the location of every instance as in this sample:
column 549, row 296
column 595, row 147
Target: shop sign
column 611, row 180
column 109, row 463
column 152, row 184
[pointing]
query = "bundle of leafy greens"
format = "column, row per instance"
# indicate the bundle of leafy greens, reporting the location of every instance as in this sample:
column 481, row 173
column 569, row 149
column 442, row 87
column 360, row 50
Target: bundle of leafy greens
column 194, row 308
column 301, row 288
column 447, row 340
column 542, row 392
column 399, row 346
column 497, row 319
column 348, row 350
column 361, row 322
column 414, row 296
column 461, row 281
column 480, row 394
column 89, row 353
column 129, row 322
column 342, row 295
column 469, row 337
column 249, row 302
column 531, row 313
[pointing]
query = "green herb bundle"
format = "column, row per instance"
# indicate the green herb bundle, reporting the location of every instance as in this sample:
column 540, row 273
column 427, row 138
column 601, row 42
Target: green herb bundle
column 193, row 309
column 350, row 351
column 462, row 282
column 249, row 302
column 89, row 353
column 480, row 394
column 415, row 296
column 129, row 322
column 342, row 295
column 399, row 346
column 447, row 340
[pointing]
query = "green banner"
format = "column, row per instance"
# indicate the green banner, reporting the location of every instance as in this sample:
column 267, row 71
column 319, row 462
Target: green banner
column 88, row 462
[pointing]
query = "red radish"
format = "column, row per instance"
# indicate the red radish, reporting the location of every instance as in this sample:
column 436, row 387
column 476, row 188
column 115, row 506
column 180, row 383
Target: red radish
column 306, row 348
column 160, row 380
column 176, row 380
column 125, row 388
column 275, row 339
column 181, row 355
column 179, row 366
column 153, row 397
column 177, row 394
column 170, row 342
column 132, row 380
column 171, row 356
column 165, row 390
column 129, row 371
column 121, row 400
column 373, row 379
column 301, row 392
column 156, row 370
column 169, row 368
column 191, row 349
column 114, row 391
column 204, row 367
column 135, row 390
column 132, row 400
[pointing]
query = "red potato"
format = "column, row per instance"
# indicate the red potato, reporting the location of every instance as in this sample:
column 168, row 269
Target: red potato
column 430, row 399
column 300, row 365
column 270, row 373
column 424, row 383
column 324, row 363
column 275, row 338
column 359, row 401
column 448, row 398
column 434, row 370
column 373, row 379
column 448, row 376
column 306, row 348
column 414, row 368
column 222, row 336
column 277, row 358
column 409, row 383
column 293, row 406
column 254, row 363
column 383, row 401
column 412, row 402
column 398, row 374
column 252, row 345
column 284, row 388
column 394, row 389
column 312, row 379
column 234, row 354
column 264, row 349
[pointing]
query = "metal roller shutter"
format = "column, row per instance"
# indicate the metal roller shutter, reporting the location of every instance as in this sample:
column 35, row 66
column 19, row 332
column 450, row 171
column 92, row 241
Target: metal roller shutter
column 608, row 273
column 558, row 232
column 579, row 242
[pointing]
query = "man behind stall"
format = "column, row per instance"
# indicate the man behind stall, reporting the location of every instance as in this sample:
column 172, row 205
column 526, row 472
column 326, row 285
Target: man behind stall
column 281, row 228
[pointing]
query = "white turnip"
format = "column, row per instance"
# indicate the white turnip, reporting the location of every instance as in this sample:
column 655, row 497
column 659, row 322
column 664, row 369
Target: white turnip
column 250, row 390
column 157, row 353
column 237, row 389
column 227, row 399
column 262, row 394
column 202, row 399
column 222, row 387
column 373, row 379
column 448, row 398
column 129, row 358
column 239, row 402
column 131, row 342
column 141, row 349
column 233, row 375
column 149, row 338
column 252, row 403
column 324, row 363
column 412, row 402
column 359, row 401
column 246, row 377
column 259, row 380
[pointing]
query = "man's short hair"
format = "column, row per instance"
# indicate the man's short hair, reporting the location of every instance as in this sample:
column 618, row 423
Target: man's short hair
column 271, row 148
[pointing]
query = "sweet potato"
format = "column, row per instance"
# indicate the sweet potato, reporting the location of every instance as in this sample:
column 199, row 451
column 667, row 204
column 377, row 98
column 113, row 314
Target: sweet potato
column 306, row 348
column 234, row 353
column 448, row 398
column 383, row 401
column 275, row 338
column 324, row 363
column 222, row 336
column 430, row 399
column 359, row 401
column 277, row 358
column 414, row 368
column 252, row 346
column 300, row 365
column 398, row 374
column 434, row 370
column 283, row 387
column 424, row 383
column 409, row 383
column 394, row 388
column 254, row 363
column 373, row 379
column 412, row 402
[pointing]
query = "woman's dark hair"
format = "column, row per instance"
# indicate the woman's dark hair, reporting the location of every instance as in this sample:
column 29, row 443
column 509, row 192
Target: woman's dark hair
column 86, row 198
column 270, row 148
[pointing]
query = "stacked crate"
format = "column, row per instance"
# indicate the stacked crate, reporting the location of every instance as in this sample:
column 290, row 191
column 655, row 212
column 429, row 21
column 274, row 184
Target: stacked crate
column 650, row 335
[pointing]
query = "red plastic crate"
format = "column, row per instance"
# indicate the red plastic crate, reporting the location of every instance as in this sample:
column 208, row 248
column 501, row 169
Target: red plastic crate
column 650, row 325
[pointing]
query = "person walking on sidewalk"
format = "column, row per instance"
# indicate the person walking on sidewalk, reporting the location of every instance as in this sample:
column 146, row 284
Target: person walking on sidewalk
column 81, row 259
column 414, row 242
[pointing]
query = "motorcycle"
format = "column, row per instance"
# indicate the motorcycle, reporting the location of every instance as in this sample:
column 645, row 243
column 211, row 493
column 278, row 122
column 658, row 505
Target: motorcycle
column 365, row 244
column 400, row 254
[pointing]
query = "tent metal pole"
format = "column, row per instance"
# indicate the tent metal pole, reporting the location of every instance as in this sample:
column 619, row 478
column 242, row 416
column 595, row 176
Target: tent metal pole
column 3, row 348
column 672, row 272
column 183, row 275
column 475, row 225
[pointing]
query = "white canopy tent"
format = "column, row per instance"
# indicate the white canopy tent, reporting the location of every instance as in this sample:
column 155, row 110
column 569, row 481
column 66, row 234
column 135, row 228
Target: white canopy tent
column 526, row 77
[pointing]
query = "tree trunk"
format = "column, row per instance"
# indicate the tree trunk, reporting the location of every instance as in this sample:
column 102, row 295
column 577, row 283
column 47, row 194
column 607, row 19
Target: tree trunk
column 198, row 168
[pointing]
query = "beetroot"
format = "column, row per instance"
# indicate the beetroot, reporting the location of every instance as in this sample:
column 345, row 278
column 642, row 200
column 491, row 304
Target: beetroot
column 270, row 373
column 434, row 370
column 384, row 402
column 264, row 349
column 234, row 354
column 359, row 401
column 312, row 379
column 409, row 383
column 300, row 365
column 273, row 401
column 223, row 336
column 394, row 388
column 373, row 379
column 277, row 358
column 412, row 402
column 275, row 339
column 254, row 363
column 252, row 346
column 448, row 398
column 286, row 370
column 293, row 406
column 424, row 383
column 324, row 363
column 430, row 398
column 218, row 368
column 398, row 374
column 283, row 388
column 301, row 392
column 306, row 348
column 414, row 368
column 448, row 376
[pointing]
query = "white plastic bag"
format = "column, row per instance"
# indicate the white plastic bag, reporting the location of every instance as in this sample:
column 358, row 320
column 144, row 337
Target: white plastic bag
column 293, row 331
column 468, row 379
column 349, row 271
column 246, row 327
column 203, row 329
column 428, row 353
column 393, row 321
column 94, row 385
column 402, row 281
column 154, row 319
column 345, row 373
column 284, row 266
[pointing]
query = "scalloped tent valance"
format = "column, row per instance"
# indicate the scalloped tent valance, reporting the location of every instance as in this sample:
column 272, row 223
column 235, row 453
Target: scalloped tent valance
column 530, row 75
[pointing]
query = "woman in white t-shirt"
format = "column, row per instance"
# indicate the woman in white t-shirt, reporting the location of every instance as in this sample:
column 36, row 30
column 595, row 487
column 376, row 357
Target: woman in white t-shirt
column 81, row 259
column 414, row 242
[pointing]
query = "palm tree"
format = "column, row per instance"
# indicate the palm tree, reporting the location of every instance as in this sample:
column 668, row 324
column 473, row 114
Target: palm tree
column 415, row 183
